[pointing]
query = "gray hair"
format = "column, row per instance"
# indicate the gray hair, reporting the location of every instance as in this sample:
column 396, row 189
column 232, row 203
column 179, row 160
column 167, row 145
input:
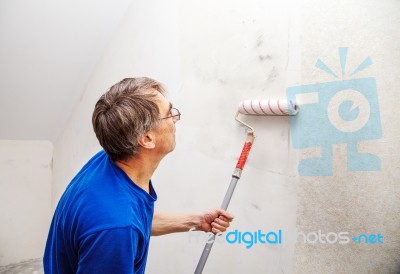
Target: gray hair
column 125, row 113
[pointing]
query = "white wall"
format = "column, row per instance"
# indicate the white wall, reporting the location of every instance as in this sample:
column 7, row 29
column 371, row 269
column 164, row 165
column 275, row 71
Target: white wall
column 25, row 199
column 48, row 50
column 211, row 55
column 365, row 201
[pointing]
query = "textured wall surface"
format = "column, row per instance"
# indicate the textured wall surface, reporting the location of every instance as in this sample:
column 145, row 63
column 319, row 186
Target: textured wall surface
column 25, row 199
column 358, row 202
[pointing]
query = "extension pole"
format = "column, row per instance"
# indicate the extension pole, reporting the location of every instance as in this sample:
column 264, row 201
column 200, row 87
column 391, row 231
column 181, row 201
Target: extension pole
column 235, row 178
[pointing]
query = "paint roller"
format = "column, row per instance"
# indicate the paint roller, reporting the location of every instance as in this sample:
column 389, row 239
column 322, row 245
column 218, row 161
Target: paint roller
column 280, row 107
column 267, row 107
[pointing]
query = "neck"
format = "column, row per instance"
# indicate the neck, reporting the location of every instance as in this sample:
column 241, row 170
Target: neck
column 139, row 169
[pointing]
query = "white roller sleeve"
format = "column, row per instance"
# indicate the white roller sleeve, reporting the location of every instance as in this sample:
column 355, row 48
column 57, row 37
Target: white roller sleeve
column 268, row 107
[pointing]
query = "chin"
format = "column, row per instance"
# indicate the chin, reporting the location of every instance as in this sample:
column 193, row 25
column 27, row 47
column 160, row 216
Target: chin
column 173, row 147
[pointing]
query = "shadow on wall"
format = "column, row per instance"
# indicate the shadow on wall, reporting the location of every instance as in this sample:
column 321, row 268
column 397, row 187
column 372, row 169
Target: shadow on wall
column 33, row 266
column 397, row 269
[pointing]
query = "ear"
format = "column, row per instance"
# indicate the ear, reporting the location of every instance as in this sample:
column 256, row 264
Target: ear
column 147, row 141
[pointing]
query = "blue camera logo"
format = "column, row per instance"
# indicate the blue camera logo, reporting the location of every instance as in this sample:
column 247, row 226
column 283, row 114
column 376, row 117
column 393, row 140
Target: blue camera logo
column 339, row 112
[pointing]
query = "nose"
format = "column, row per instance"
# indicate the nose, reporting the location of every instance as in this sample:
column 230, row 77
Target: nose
column 175, row 119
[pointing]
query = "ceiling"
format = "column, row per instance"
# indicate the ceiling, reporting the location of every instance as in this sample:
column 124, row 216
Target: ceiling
column 48, row 50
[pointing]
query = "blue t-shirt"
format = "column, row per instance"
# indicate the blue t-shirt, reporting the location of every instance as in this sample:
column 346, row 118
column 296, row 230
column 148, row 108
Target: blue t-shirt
column 102, row 223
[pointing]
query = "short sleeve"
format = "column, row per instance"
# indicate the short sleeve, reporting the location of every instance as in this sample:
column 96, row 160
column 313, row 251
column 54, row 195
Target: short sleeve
column 109, row 251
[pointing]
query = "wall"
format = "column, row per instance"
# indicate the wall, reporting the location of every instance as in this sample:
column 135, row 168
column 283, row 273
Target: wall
column 25, row 199
column 359, row 202
column 48, row 50
column 211, row 55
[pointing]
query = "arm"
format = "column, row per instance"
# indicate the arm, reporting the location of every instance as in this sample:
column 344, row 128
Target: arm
column 215, row 220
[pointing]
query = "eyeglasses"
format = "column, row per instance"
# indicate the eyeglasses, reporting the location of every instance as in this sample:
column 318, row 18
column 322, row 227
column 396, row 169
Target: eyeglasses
column 174, row 114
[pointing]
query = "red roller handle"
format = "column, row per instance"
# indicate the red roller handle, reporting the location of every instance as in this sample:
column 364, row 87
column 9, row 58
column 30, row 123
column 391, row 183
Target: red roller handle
column 243, row 156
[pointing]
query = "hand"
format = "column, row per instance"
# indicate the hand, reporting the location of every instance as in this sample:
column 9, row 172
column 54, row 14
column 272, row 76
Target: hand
column 215, row 221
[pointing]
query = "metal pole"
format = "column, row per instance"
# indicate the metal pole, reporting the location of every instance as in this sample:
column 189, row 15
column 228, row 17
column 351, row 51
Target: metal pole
column 235, row 178
column 210, row 242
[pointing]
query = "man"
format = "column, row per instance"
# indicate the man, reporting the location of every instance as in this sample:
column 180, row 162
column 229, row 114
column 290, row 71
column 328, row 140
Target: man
column 104, row 219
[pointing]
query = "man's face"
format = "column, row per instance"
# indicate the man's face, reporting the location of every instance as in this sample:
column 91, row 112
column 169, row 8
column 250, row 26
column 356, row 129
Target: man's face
column 165, row 131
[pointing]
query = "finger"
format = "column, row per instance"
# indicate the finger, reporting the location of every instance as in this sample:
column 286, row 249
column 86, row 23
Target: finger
column 219, row 227
column 221, row 222
column 227, row 217
column 216, row 231
column 225, row 213
column 223, row 218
